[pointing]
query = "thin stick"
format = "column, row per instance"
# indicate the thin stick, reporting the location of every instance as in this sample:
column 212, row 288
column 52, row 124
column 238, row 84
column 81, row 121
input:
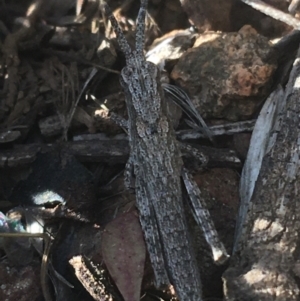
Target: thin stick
column 273, row 12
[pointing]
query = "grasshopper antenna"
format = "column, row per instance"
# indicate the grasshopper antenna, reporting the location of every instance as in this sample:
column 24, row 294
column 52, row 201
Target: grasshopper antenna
column 140, row 30
column 126, row 49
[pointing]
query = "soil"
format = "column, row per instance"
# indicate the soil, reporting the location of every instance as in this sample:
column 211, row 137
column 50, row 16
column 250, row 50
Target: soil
column 62, row 156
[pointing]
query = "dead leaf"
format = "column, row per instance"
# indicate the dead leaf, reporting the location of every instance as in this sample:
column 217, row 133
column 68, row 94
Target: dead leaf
column 124, row 253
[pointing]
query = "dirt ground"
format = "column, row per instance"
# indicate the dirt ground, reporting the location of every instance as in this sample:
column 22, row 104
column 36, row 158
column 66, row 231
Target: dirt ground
column 62, row 157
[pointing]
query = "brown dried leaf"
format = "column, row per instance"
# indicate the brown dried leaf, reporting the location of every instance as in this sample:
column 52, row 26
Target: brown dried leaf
column 124, row 253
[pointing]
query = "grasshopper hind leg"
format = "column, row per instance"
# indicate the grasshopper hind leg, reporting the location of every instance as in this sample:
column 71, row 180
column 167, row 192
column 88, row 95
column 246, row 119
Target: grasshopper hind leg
column 203, row 219
column 154, row 245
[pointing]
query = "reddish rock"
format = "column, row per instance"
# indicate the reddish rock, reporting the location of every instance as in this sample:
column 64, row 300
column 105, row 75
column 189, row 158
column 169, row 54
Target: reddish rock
column 227, row 75
column 222, row 184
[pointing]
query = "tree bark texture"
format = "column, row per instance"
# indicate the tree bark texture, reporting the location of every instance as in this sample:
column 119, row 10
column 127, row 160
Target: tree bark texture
column 266, row 265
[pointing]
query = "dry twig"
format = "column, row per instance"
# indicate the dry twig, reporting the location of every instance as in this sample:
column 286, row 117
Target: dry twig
column 273, row 13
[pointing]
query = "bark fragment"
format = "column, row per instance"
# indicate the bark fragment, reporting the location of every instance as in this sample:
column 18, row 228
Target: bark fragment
column 263, row 268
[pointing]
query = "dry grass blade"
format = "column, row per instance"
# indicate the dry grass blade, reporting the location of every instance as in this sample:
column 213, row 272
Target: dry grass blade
column 183, row 101
column 258, row 147
column 66, row 105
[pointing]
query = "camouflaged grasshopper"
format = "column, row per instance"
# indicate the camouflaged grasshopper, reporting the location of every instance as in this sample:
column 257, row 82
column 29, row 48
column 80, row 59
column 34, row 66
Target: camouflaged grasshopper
column 155, row 161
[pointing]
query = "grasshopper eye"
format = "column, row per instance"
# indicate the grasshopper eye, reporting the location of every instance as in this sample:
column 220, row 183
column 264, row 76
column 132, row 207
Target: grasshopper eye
column 152, row 69
column 126, row 74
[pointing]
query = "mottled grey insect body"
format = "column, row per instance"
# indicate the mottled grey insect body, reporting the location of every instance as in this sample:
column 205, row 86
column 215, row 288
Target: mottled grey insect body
column 139, row 78
column 157, row 165
column 155, row 160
